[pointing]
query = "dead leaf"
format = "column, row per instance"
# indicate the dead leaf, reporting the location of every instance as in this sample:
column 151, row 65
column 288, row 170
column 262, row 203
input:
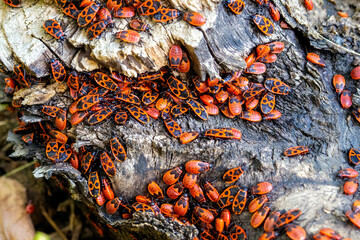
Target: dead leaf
column 15, row 223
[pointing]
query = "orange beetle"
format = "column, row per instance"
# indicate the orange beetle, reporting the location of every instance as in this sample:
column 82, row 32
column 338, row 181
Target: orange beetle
column 196, row 166
column 172, row 176
column 189, row 180
column 314, row 58
column 204, row 215
column 259, row 216
column 155, row 190
column 257, row 203
column 182, row 205
column 261, row 188
column 309, row 4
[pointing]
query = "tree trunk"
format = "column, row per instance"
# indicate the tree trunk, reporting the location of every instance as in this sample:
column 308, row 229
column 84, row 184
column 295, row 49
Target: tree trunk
column 311, row 113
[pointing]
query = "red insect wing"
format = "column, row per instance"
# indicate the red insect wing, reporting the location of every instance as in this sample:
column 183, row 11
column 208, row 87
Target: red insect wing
column 175, row 190
column 196, row 166
column 295, row 232
column 239, row 201
column 197, row 193
column 165, row 15
column 74, row 160
column 259, row 216
column 270, row 221
column 330, row 233
column 261, row 188
column 267, row 103
column 189, row 180
column 198, row 109
column 100, row 200
column 211, row 192
column 287, row 218
column 256, row 68
column 233, row 175
column 64, row 153
column 58, row 70
column 262, row 51
column 227, row 196
column 172, row 176
column 251, row 115
column 155, row 190
column 113, row 5
column 293, row 151
column 309, row 4
column 87, row 14
column 71, row 10
column 86, row 161
column 264, row 24
column 339, row 83
column 354, row 156
column 129, row 36
column 354, row 217
column 107, row 164
column 212, row 109
column 139, row 114
column 152, row 112
column 204, row 215
column 96, row 29
column 187, row 137
column 348, row 173
column 346, row 99
column 60, row 121
column 50, row 110
column 94, row 184
column 274, row 12
column 234, row 105
column 236, row 6
column 182, row 205
column 117, row 149
column 184, row 66
column 13, row 3
column 125, row 12
column 113, row 205
column 78, row 117
column 355, row 73
column 314, row 58
column 149, row 7
column 99, row 116
column 52, row 149
column 139, row 25
column 195, row 19
column 351, row 186
column 28, row 138
column 53, row 28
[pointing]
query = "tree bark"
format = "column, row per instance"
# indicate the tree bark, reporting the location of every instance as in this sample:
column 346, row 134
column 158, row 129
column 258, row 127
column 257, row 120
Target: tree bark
column 311, row 113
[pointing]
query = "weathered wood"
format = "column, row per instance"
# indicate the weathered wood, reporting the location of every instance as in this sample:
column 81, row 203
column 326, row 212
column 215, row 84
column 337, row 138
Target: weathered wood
column 311, row 114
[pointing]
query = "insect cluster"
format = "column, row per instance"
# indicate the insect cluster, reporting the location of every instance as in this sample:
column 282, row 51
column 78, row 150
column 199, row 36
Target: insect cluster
column 99, row 17
column 350, row 174
column 345, row 95
column 328, row 234
column 102, row 95
column 191, row 200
